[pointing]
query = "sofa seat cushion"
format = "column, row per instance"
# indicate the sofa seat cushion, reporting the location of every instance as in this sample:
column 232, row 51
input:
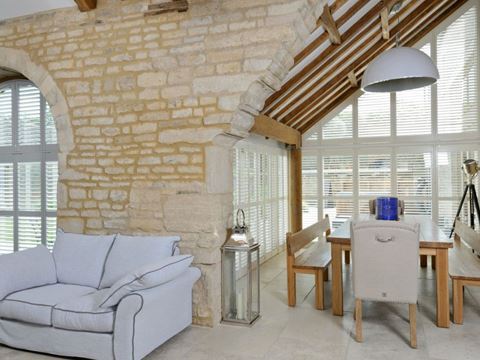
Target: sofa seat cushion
column 35, row 305
column 83, row 314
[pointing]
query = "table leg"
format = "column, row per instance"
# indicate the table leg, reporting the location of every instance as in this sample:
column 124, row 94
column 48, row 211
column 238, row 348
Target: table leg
column 423, row 261
column 443, row 306
column 347, row 257
column 337, row 282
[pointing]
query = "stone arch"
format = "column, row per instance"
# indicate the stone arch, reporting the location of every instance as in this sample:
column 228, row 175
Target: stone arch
column 253, row 100
column 21, row 62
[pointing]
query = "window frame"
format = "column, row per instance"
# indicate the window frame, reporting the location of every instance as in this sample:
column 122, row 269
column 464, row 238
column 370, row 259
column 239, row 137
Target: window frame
column 15, row 154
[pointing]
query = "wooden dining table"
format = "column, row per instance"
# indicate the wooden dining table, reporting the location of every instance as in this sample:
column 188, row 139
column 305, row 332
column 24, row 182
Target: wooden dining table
column 433, row 241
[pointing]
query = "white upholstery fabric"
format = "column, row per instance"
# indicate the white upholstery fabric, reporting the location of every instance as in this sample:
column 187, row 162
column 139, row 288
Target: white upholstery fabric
column 80, row 259
column 26, row 269
column 35, row 305
column 385, row 261
column 83, row 313
column 146, row 319
column 146, row 277
column 50, row 340
column 129, row 253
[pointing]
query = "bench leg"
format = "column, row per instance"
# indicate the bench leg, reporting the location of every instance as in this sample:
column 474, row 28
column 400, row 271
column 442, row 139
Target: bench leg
column 434, row 262
column 423, row 261
column 292, row 287
column 325, row 274
column 358, row 320
column 457, row 294
column 319, row 301
column 347, row 257
column 412, row 310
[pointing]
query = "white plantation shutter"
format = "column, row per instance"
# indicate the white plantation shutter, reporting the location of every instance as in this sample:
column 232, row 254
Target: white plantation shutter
column 374, row 115
column 340, row 127
column 5, row 116
column 338, row 188
column 260, row 179
column 458, row 66
column 374, row 175
column 28, row 115
column 28, row 168
column 451, row 183
column 414, row 182
column 309, row 189
column 414, row 115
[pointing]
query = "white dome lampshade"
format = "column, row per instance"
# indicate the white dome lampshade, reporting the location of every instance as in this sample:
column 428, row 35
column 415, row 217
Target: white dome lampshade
column 398, row 69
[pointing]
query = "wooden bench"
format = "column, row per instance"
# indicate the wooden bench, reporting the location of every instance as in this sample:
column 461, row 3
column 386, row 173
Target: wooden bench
column 464, row 265
column 306, row 256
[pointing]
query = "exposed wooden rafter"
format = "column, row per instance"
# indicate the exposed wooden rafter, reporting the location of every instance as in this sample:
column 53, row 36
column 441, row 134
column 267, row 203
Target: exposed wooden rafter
column 165, row 7
column 334, row 74
column 328, row 23
column 270, row 128
column 353, row 79
column 86, row 5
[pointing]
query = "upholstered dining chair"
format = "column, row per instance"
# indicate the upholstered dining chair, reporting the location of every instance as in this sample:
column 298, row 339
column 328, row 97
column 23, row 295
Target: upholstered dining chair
column 372, row 206
column 385, row 267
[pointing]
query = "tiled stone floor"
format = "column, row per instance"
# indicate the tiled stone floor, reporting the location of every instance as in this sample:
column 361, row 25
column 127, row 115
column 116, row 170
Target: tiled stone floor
column 303, row 333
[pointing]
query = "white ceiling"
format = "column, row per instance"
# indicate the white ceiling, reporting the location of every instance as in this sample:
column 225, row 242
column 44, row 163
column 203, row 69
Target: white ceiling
column 13, row 8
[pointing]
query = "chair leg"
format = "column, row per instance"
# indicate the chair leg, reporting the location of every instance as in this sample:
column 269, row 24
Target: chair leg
column 434, row 262
column 412, row 309
column 358, row 320
column 457, row 294
column 325, row 274
column 292, row 287
column 319, row 301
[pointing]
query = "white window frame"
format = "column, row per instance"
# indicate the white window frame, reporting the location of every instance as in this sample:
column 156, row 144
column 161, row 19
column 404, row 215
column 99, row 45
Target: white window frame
column 16, row 154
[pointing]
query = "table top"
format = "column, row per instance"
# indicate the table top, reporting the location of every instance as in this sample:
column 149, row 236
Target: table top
column 431, row 236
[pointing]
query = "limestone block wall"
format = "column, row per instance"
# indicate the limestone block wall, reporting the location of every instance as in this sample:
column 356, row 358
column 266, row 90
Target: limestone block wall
column 148, row 108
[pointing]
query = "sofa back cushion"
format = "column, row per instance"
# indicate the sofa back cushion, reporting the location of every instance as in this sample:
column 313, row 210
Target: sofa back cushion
column 26, row 269
column 80, row 259
column 146, row 277
column 131, row 252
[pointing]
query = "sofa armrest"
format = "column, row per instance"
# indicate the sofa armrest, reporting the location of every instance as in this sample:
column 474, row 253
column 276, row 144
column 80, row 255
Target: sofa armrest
column 147, row 318
column 26, row 269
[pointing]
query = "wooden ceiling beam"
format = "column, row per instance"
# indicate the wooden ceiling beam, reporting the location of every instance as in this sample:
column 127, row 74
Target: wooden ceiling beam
column 345, row 53
column 270, row 128
column 384, row 24
column 423, row 28
column 330, row 26
column 353, row 79
column 86, row 5
column 166, row 7
column 312, row 69
column 368, row 54
column 312, row 46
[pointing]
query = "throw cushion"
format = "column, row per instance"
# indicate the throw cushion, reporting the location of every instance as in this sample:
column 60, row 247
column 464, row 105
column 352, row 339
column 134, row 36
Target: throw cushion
column 80, row 259
column 131, row 252
column 35, row 305
column 83, row 314
column 26, row 269
column 146, row 277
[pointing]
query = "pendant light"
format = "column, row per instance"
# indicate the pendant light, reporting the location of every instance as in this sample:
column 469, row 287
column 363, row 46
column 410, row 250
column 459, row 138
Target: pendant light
column 400, row 68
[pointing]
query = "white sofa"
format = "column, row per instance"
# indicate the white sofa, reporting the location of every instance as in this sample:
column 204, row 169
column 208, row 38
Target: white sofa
column 98, row 297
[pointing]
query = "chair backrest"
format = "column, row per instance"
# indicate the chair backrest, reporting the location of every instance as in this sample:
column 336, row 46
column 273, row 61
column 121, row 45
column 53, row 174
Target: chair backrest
column 298, row 240
column 372, row 205
column 385, row 260
column 467, row 235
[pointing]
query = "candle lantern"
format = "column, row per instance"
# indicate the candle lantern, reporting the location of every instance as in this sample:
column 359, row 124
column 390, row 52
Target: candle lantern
column 240, row 276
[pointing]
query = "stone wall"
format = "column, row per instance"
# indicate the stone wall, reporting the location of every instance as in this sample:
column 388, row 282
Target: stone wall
column 147, row 109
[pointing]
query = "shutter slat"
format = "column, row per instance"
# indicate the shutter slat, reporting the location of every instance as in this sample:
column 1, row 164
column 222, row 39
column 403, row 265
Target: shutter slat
column 374, row 115
column 5, row 116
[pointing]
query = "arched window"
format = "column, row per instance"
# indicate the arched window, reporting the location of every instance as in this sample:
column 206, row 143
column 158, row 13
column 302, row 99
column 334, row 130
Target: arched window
column 28, row 168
